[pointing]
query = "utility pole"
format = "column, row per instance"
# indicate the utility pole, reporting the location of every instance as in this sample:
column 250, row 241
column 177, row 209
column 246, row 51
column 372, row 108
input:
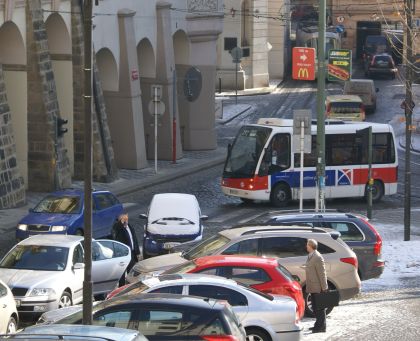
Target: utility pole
column 320, row 135
column 408, row 111
column 87, row 283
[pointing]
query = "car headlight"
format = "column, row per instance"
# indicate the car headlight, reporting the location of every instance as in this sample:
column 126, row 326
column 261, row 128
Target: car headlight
column 42, row 292
column 58, row 228
column 22, row 227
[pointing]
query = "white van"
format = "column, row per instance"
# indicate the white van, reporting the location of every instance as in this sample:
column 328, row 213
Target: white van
column 365, row 89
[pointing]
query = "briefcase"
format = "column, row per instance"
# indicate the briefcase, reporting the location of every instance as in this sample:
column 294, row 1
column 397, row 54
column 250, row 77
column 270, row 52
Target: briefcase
column 326, row 299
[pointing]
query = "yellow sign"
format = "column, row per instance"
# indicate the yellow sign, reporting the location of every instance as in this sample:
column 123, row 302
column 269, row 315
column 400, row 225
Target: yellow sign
column 303, row 73
column 343, row 63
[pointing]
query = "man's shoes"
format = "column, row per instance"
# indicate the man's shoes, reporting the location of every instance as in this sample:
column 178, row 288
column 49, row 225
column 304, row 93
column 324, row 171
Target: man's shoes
column 316, row 330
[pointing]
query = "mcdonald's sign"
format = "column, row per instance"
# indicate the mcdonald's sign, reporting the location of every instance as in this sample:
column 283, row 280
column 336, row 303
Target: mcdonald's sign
column 303, row 63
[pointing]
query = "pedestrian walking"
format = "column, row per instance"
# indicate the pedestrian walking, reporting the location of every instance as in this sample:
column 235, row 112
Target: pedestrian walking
column 316, row 282
column 125, row 234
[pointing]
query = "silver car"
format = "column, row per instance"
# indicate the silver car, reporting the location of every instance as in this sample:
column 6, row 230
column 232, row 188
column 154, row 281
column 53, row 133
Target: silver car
column 76, row 333
column 46, row 272
column 285, row 242
column 264, row 317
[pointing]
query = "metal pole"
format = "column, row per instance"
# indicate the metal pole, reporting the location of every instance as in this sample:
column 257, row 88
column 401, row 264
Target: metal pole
column 370, row 180
column 174, row 119
column 156, row 123
column 236, row 83
column 408, row 111
column 320, row 136
column 87, row 283
column 302, row 141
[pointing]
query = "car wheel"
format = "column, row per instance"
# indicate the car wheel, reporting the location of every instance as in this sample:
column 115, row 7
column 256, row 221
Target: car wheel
column 65, row 300
column 11, row 326
column 377, row 191
column 254, row 334
column 79, row 232
column 280, row 195
column 309, row 312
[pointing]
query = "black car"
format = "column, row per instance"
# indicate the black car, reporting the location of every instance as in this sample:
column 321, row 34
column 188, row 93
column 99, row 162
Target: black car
column 380, row 64
column 163, row 316
column 355, row 230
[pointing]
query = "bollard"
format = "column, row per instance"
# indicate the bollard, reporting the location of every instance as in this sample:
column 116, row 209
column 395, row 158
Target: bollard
column 220, row 85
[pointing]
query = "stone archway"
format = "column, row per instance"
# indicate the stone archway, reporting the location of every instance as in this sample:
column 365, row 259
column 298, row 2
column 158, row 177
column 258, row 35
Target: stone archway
column 13, row 114
column 108, row 69
column 59, row 43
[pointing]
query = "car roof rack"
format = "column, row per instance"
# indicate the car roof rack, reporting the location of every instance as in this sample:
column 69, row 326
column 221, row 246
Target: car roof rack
column 320, row 214
column 281, row 228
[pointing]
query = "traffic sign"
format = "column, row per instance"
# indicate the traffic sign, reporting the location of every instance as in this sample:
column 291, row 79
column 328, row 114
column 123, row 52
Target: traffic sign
column 303, row 63
column 339, row 65
column 156, row 108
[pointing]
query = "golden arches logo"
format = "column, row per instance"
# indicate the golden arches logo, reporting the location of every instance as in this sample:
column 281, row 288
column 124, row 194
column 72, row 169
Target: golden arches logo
column 303, row 73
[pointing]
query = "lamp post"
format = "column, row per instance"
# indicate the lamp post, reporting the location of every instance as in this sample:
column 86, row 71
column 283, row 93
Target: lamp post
column 87, row 283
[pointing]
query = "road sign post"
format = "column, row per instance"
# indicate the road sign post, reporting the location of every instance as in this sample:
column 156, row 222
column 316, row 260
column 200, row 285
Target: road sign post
column 303, row 63
column 236, row 53
column 157, row 108
column 302, row 120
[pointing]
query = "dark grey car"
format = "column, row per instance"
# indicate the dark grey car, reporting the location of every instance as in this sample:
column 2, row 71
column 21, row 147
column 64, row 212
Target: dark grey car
column 356, row 232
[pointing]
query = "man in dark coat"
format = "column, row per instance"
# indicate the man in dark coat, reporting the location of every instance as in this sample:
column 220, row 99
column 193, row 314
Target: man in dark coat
column 316, row 282
column 125, row 234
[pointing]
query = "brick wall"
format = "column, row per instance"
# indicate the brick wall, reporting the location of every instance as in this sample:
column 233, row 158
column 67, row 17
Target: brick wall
column 48, row 164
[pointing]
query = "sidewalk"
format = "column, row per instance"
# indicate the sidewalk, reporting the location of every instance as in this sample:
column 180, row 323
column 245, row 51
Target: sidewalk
column 398, row 123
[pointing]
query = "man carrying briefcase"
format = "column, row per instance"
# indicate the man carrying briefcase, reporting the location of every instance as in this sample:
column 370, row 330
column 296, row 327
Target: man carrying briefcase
column 316, row 282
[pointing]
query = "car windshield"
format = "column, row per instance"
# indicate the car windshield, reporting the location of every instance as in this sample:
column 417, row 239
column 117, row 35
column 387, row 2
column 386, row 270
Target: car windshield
column 135, row 288
column 206, row 247
column 65, row 204
column 36, row 257
column 245, row 152
column 255, row 291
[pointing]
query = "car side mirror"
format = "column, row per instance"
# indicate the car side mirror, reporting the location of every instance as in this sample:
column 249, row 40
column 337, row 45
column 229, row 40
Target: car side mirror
column 143, row 216
column 204, row 217
column 78, row 266
column 377, row 89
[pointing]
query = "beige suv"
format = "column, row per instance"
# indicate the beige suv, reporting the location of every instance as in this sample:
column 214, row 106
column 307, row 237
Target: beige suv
column 285, row 242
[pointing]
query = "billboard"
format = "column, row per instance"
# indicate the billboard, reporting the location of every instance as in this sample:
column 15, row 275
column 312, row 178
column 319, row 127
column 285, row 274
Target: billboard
column 339, row 65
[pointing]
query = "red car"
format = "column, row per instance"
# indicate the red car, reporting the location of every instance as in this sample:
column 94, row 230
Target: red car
column 264, row 274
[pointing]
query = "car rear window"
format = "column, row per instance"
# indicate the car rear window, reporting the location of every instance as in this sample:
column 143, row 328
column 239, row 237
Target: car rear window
column 357, row 87
column 284, row 272
column 348, row 231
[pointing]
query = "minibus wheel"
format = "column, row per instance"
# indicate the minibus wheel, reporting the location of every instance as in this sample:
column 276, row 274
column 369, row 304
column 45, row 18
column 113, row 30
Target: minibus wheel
column 280, row 195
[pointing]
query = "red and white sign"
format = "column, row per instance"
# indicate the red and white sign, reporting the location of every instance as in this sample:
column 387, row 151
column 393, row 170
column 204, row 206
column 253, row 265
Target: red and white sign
column 303, row 63
column 134, row 75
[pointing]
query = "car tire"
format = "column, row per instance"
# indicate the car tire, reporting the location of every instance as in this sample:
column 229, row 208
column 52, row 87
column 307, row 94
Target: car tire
column 377, row 191
column 11, row 326
column 256, row 334
column 65, row 300
column 280, row 195
column 308, row 306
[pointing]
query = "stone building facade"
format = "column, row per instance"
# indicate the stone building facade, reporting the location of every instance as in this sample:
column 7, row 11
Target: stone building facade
column 261, row 29
column 137, row 43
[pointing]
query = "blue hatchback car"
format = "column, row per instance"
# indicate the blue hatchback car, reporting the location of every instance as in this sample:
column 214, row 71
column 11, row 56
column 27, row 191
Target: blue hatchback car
column 61, row 212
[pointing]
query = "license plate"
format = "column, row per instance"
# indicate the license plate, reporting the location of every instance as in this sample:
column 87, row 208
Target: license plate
column 170, row 245
column 17, row 303
column 233, row 191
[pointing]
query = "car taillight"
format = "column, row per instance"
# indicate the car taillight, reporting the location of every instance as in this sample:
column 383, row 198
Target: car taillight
column 219, row 338
column 350, row 260
column 377, row 249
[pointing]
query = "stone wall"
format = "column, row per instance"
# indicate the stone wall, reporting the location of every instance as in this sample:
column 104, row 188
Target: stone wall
column 48, row 164
column 12, row 188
